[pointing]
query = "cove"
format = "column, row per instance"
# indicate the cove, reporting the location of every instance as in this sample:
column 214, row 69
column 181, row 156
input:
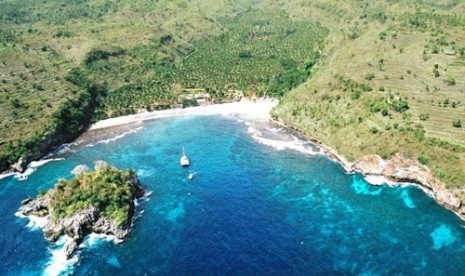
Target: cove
column 262, row 202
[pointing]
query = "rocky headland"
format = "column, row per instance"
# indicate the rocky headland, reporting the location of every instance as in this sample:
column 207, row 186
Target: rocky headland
column 402, row 170
column 395, row 170
column 108, row 209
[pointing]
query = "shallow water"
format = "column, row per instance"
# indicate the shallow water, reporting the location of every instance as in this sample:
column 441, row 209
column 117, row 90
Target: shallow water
column 262, row 202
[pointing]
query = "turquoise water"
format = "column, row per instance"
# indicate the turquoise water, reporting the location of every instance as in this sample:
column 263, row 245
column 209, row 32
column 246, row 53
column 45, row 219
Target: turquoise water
column 259, row 204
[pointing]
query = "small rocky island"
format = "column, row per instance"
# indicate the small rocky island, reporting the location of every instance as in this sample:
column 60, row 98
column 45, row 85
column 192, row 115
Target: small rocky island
column 101, row 201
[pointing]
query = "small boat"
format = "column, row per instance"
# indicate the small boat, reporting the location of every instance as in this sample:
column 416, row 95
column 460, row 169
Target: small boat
column 191, row 176
column 184, row 161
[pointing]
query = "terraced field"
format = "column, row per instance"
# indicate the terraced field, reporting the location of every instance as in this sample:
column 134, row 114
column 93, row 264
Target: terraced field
column 363, row 85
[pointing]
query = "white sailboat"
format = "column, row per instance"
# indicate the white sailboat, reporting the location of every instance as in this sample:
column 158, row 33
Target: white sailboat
column 184, row 161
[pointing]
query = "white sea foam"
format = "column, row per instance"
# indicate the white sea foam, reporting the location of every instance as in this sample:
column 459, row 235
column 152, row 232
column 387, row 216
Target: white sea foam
column 32, row 167
column 34, row 222
column 117, row 137
column 37, row 222
column 296, row 143
column 58, row 264
column 145, row 172
column 254, row 131
column 37, row 164
column 5, row 175
column 95, row 240
column 381, row 180
column 145, row 198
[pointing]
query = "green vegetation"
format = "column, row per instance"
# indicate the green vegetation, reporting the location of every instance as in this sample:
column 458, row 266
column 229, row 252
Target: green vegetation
column 258, row 53
column 408, row 113
column 450, row 81
column 364, row 76
column 64, row 65
column 107, row 188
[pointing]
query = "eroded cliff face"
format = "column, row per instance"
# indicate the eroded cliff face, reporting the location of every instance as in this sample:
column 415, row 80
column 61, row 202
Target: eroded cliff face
column 400, row 169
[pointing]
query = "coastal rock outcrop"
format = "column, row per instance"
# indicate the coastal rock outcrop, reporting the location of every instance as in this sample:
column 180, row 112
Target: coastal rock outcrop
column 396, row 169
column 95, row 215
column 19, row 166
column 400, row 169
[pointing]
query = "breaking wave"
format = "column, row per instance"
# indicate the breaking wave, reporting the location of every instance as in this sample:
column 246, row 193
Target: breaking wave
column 117, row 137
column 279, row 142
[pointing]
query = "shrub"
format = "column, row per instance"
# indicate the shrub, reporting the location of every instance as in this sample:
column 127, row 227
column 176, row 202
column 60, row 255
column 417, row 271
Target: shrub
column 374, row 130
column 245, row 54
column 423, row 160
column 450, row 81
column 400, row 105
column 366, row 87
column 15, row 103
column 424, row 116
column 382, row 35
column 457, row 123
column 369, row 76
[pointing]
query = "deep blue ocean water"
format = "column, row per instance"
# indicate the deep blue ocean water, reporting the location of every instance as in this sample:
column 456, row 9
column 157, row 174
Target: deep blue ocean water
column 253, row 208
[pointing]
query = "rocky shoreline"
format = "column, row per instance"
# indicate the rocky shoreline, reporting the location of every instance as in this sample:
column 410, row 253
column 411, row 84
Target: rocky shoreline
column 396, row 169
column 82, row 223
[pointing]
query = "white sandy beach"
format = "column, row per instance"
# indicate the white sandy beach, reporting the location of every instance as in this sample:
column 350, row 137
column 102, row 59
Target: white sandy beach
column 259, row 110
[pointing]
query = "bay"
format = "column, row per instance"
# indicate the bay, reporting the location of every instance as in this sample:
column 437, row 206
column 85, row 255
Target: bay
column 262, row 202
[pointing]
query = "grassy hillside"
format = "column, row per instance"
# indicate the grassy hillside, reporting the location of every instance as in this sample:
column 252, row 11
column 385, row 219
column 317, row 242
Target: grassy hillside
column 135, row 55
column 392, row 81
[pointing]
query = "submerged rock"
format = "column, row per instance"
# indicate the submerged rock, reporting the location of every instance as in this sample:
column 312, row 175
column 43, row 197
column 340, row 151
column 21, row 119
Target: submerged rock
column 109, row 208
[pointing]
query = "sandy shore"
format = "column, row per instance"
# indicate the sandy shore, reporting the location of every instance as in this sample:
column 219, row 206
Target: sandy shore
column 259, row 110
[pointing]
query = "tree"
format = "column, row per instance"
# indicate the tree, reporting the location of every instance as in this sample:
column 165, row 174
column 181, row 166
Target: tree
column 457, row 123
